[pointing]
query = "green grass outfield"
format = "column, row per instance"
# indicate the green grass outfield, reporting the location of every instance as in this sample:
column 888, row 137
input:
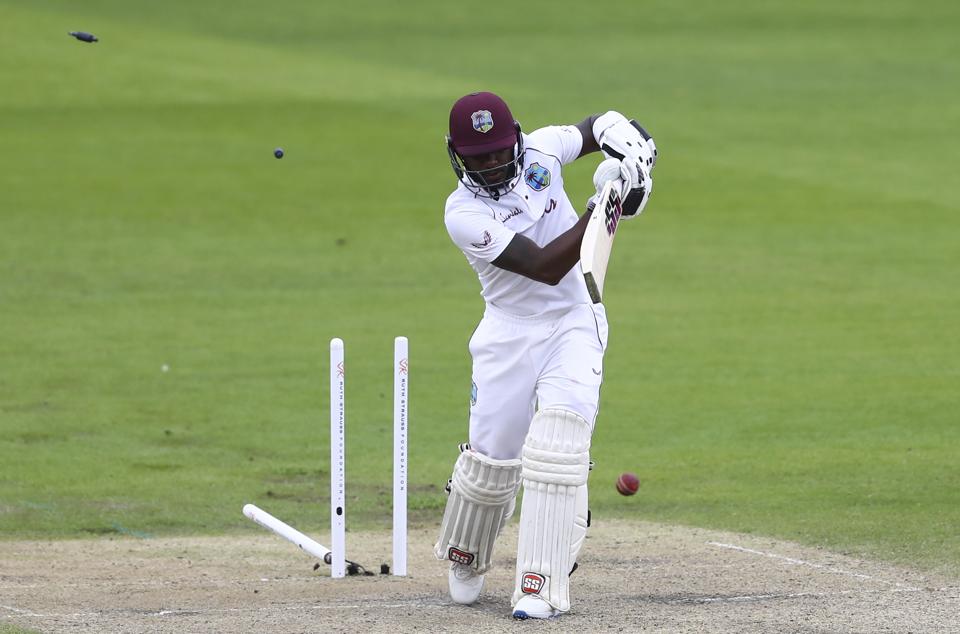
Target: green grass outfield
column 785, row 318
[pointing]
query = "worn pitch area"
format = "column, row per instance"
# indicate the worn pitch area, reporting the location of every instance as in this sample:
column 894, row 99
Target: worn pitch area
column 633, row 577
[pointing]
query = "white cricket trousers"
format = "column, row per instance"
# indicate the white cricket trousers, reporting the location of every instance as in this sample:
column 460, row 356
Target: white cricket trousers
column 521, row 364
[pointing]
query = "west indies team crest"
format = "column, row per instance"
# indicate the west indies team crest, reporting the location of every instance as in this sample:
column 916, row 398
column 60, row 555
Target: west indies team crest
column 537, row 177
column 482, row 121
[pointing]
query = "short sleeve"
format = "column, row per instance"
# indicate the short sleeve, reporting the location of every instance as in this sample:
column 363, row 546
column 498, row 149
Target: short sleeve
column 478, row 233
column 562, row 141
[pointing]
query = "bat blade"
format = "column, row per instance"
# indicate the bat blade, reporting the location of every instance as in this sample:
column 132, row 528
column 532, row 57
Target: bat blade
column 598, row 238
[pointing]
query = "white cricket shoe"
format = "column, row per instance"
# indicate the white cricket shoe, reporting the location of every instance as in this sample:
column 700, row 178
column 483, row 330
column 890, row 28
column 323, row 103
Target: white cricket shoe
column 465, row 583
column 530, row 606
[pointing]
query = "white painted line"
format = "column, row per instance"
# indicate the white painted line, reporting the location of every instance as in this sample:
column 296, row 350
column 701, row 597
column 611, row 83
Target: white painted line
column 782, row 595
column 20, row 612
column 358, row 606
column 291, row 608
column 413, row 603
column 171, row 581
column 28, row 613
column 801, row 562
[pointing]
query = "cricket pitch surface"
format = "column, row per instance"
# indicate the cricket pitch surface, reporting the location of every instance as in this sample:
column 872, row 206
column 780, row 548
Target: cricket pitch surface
column 633, row 577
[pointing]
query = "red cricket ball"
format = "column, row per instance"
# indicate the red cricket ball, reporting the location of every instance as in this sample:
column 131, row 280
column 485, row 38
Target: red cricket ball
column 628, row 483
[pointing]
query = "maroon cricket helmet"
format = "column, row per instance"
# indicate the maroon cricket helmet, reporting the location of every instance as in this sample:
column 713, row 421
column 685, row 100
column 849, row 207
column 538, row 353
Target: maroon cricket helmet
column 481, row 122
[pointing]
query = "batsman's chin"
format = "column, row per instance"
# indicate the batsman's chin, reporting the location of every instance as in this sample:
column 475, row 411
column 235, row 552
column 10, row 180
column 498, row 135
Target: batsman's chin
column 496, row 179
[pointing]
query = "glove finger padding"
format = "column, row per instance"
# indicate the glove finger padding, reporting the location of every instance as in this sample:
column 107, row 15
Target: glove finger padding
column 608, row 170
column 632, row 173
column 635, row 200
column 638, row 184
column 651, row 161
column 635, row 179
column 653, row 150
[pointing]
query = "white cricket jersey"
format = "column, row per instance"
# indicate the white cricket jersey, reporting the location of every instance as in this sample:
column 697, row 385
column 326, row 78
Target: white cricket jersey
column 537, row 208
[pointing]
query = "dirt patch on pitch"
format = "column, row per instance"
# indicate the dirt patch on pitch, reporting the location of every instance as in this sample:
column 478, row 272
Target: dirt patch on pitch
column 633, row 577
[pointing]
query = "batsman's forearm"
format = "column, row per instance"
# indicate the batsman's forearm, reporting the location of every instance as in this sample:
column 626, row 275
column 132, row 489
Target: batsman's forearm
column 563, row 253
column 548, row 264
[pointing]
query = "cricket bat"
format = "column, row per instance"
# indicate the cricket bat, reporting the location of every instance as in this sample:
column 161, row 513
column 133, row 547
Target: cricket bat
column 598, row 238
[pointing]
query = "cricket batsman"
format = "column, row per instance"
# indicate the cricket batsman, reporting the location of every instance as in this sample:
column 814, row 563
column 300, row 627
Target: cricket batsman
column 538, row 350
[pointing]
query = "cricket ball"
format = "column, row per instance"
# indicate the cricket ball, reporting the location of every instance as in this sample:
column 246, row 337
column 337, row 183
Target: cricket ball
column 628, row 483
column 278, row 152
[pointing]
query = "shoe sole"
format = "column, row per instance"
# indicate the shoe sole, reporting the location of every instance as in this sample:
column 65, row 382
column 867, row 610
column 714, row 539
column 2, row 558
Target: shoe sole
column 520, row 615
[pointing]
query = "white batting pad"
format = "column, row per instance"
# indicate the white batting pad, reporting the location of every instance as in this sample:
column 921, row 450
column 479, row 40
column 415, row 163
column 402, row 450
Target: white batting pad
column 483, row 493
column 556, row 460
